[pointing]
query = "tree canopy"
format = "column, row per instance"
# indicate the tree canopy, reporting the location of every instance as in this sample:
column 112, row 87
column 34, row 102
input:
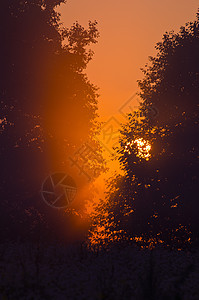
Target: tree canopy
column 156, row 200
column 48, row 106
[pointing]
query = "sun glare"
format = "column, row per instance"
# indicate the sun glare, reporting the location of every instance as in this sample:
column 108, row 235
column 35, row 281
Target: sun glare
column 143, row 148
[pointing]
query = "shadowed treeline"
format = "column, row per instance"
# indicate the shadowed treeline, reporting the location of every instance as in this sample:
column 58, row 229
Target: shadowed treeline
column 47, row 104
column 156, row 201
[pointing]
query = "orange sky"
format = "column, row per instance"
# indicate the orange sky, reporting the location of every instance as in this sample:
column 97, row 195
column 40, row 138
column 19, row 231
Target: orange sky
column 129, row 30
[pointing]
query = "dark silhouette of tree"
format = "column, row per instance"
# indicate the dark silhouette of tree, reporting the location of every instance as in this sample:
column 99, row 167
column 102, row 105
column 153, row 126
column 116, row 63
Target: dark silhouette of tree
column 157, row 198
column 47, row 104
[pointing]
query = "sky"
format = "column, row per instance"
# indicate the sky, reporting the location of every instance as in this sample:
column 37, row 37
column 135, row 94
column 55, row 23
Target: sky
column 129, row 31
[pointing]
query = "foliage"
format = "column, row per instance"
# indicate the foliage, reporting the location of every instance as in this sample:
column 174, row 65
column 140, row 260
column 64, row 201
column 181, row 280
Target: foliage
column 48, row 106
column 159, row 187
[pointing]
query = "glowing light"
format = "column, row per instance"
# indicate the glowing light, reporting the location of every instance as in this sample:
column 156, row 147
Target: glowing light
column 143, row 148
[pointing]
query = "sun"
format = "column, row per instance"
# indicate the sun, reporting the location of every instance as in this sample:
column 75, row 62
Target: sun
column 143, row 148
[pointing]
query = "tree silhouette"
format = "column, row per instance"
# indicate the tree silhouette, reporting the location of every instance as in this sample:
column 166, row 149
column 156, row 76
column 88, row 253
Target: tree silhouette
column 157, row 197
column 48, row 106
